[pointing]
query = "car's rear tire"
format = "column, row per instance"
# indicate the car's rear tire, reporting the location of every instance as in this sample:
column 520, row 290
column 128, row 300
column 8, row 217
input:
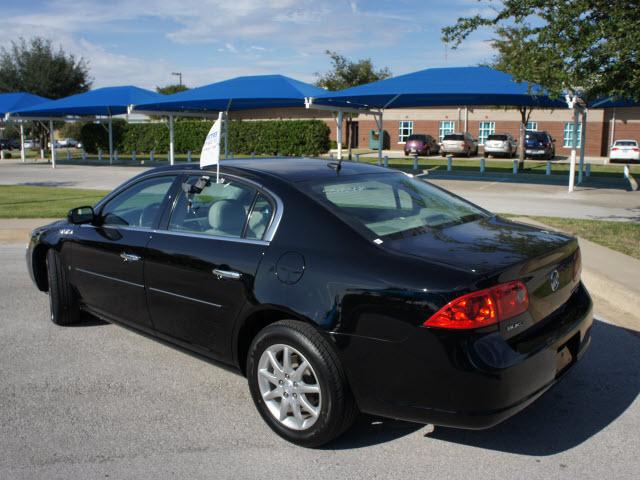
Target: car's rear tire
column 63, row 301
column 319, row 405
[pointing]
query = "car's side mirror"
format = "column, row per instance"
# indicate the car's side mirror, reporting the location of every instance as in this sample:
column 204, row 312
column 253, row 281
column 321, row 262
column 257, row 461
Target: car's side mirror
column 80, row 215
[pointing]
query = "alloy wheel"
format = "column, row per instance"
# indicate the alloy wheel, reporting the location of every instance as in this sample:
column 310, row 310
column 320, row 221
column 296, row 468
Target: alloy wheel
column 289, row 387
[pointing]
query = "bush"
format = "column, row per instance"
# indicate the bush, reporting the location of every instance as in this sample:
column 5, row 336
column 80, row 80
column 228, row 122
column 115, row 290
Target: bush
column 271, row 137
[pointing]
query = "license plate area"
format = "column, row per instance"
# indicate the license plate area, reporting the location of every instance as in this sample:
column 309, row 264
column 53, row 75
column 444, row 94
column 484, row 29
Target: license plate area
column 567, row 354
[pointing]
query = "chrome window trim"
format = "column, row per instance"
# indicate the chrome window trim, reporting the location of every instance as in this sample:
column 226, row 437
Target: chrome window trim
column 213, row 237
column 89, row 272
column 184, row 297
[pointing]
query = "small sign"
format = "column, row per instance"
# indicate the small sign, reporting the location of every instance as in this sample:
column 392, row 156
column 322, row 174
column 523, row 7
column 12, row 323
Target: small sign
column 210, row 154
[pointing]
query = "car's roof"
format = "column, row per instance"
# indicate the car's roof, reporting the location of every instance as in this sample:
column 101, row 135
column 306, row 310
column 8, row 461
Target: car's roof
column 292, row 169
column 625, row 140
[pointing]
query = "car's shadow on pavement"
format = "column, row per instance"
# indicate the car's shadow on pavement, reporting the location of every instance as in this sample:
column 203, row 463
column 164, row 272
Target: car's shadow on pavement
column 599, row 389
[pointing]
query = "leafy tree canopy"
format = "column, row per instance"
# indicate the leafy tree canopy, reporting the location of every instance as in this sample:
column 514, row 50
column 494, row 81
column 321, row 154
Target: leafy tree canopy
column 587, row 45
column 34, row 66
column 170, row 89
column 346, row 73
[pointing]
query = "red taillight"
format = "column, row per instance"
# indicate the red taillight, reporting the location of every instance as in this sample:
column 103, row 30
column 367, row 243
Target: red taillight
column 482, row 308
column 635, row 149
column 577, row 265
column 615, row 149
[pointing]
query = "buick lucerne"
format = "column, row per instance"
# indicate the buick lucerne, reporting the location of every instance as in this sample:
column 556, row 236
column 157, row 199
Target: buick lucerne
column 334, row 288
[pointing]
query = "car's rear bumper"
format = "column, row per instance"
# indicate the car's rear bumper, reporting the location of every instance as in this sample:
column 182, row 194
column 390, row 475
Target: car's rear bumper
column 497, row 149
column 465, row 380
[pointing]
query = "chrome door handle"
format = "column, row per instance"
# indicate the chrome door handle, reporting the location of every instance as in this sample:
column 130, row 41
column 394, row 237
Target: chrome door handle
column 227, row 274
column 129, row 257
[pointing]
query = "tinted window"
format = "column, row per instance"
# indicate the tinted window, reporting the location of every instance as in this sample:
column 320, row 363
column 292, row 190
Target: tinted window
column 497, row 137
column 452, row 136
column 626, row 143
column 391, row 203
column 422, row 138
column 220, row 209
column 139, row 205
column 536, row 136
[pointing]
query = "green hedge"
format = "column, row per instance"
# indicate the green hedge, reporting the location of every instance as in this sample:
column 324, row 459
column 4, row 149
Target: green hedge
column 270, row 137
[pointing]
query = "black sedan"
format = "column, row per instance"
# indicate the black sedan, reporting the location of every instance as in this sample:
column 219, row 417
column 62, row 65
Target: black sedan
column 335, row 288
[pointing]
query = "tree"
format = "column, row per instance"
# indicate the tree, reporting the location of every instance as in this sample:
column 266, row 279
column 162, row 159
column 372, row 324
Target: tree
column 346, row 73
column 591, row 45
column 34, row 66
column 171, row 89
column 586, row 46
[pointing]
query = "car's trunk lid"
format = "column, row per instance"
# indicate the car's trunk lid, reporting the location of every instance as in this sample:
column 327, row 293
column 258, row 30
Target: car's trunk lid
column 499, row 251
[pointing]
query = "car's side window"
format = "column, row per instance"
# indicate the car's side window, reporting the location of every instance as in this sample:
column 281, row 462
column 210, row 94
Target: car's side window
column 210, row 208
column 139, row 205
column 260, row 217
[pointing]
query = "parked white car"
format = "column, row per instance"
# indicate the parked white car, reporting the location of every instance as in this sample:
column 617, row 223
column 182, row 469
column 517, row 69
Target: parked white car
column 502, row 144
column 625, row 151
column 31, row 144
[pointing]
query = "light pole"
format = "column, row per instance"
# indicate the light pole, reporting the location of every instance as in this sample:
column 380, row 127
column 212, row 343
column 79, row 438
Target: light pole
column 179, row 75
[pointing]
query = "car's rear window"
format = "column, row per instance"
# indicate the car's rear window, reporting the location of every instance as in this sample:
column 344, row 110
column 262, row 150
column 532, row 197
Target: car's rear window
column 497, row 137
column 418, row 137
column 453, row 136
column 535, row 136
column 626, row 143
column 391, row 203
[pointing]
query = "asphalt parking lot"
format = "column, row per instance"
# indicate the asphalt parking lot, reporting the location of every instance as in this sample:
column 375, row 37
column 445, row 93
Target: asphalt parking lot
column 99, row 401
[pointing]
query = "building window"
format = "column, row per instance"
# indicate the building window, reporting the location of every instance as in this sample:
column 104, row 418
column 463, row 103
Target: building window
column 405, row 128
column 486, row 129
column 568, row 135
column 533, row 126
column 446, row 127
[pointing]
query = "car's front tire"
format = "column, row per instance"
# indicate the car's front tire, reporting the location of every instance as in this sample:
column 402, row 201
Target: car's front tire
column 63, row 301
column 298, row 384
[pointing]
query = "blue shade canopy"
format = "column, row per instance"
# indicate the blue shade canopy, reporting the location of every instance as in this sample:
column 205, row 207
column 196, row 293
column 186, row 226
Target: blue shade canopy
column 443, row 87
column 102, row 101
column 10, row 102
column 612, row 102
column 240, row 93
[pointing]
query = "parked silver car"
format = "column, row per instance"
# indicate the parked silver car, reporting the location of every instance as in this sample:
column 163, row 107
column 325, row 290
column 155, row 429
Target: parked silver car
column 500, row 144
column 459, row 144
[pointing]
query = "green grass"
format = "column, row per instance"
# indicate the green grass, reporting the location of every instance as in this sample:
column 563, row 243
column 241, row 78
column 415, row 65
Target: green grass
column 623, row 237
column 17, row 201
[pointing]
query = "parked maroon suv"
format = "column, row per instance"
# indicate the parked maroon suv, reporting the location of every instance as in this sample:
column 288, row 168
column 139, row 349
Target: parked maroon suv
column 420, row 144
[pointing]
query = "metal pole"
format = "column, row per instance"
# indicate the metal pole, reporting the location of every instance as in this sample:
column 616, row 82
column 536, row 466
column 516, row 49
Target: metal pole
column 466, row 118
column 339, row 134
column 574, row 143
column 110, row 140
column 583, row 139
column 22, row 153
column 380, row 137
column 220, row 115
column 171, row 158
column 53, row 146
column 459, row 116
column 226, row 134
column 613, row 131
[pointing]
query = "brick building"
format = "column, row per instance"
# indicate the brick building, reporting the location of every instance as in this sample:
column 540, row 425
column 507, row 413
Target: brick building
column 603, row 125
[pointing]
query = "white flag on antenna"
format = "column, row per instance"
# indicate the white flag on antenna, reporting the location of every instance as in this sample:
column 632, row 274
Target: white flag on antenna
column 210, row 154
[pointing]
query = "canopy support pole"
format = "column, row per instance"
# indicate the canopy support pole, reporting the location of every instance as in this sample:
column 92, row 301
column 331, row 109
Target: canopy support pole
column 379, row 124
column 339, row 134
column 226, row 130
column 613, row 131
column 466, row 118
column 110, row 140
column 22, row 152
column 574, row 144
column 583, row 139
column 53, row 145
column 220, row 119
column 171, row 145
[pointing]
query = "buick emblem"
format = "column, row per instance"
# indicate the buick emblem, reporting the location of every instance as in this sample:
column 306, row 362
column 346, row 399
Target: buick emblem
column 554, row 280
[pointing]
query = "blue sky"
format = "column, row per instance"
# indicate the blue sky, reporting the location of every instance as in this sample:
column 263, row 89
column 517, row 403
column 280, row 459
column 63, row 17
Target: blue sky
column 141, row 42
